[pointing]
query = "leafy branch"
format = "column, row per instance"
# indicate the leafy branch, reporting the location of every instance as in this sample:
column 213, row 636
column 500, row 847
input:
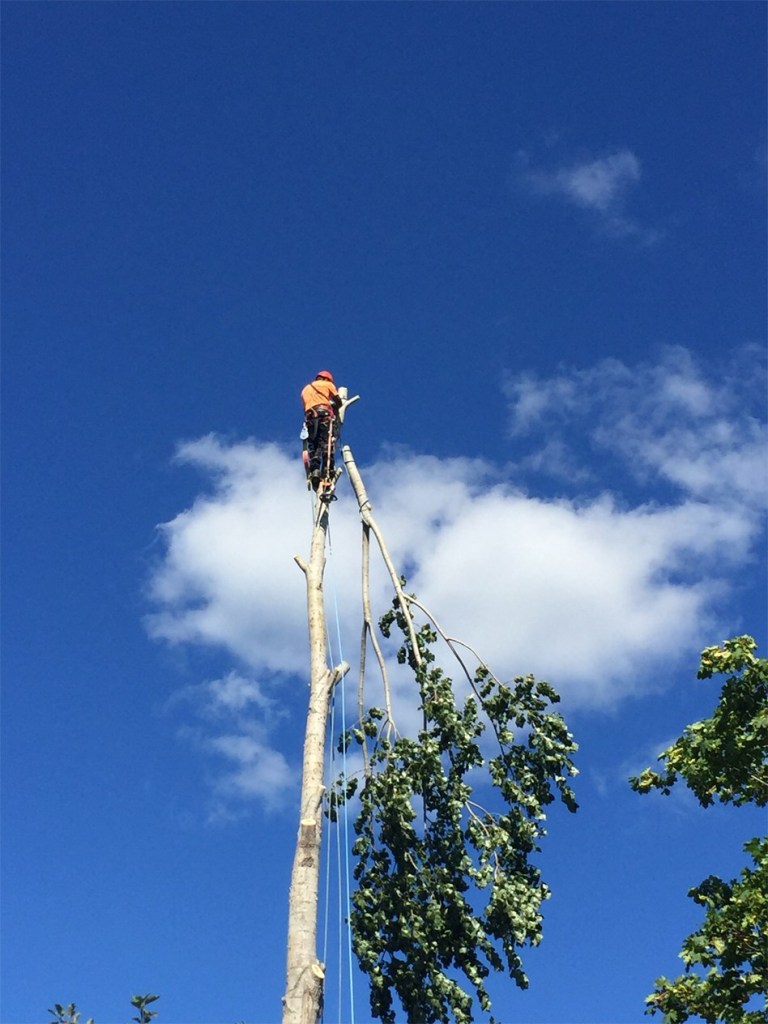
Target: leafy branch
column 71, row 1015
column 724, row 757
column 67, row 1014
column 453, row 891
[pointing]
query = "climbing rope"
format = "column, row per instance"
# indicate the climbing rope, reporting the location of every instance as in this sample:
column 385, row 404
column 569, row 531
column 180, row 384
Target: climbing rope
column 343, row 876
column 327, row 832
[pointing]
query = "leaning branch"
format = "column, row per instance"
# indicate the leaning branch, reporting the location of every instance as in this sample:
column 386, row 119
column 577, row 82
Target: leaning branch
column 369, row 631
column 451, row 641
column 365, row 514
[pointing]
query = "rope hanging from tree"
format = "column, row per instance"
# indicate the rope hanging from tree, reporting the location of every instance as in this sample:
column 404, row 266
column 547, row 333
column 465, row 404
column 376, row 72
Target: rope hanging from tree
column 344, row 882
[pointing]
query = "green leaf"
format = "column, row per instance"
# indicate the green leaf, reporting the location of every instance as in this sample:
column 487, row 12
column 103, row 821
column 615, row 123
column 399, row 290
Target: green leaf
column 723, row 757
column 446, row 891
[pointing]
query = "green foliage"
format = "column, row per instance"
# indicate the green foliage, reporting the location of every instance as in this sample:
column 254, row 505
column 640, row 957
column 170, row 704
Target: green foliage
column 724, row 757
column 141, row 1003
column 731, row 946
column 70, row 1014
column 446, row 887
column 66, row 1014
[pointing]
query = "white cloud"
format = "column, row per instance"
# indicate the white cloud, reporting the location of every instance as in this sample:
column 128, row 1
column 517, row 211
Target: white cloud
column 581, row 596
column 228, row 577
column 233, row 719
column 589, row 592
column 664, row 420
column 601, row 186
column 257, row 771
column 220, row 698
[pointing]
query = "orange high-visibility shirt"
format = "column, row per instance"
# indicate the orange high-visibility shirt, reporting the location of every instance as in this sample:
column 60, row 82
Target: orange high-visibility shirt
column 320, row 392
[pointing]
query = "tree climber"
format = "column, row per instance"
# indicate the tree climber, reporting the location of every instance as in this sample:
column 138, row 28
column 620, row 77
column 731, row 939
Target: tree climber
column 321, row 404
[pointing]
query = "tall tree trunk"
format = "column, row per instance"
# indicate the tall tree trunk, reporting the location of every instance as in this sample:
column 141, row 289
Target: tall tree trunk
column 303, row 999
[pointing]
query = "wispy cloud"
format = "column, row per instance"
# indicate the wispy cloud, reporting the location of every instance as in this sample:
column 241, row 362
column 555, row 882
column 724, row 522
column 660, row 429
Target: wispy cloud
column 231, row 722
column 593, row 593
column 662, row 421
column 601, row 186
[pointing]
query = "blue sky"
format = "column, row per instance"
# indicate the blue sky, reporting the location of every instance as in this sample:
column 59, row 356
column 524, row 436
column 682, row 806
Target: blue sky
column 532, row 238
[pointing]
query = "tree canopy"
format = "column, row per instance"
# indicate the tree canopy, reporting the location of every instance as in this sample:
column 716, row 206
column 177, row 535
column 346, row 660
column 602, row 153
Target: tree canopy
column 446, row 888
column 723, row 758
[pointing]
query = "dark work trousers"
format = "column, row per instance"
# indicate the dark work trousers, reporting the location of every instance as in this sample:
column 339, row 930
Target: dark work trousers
column 320, row 425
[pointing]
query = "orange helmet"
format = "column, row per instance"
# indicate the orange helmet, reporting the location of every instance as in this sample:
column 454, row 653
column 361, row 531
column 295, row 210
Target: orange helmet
column 325, row 375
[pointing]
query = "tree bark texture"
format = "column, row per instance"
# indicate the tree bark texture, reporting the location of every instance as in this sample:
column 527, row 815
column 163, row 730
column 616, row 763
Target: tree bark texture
column 302, row 1002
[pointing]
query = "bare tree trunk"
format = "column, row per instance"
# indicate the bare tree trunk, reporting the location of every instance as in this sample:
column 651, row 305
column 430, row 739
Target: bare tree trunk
column 303, row 999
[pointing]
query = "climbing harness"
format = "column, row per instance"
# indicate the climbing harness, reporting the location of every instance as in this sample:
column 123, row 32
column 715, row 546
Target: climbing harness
column 319, row 471
column 324, row 483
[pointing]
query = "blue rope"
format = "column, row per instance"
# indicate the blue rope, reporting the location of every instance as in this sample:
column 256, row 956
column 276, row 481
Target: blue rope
column 328, row 841
column 330, row 850
column 345, row 892
column 346, row 862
